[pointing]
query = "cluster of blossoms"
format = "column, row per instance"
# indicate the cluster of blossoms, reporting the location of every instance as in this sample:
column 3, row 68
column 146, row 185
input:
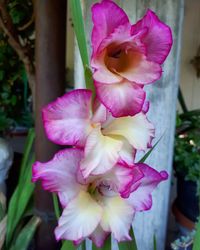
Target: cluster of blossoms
column 99, row 185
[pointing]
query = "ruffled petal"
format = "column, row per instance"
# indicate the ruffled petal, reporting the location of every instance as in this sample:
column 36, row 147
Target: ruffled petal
column 136, row 129
column 67, row 120
column 121, row 179
column 117, row 217
column 158, row 39
column 141, row 198
column 59, row 174
column 101, row 153
column 79, row 219
column 104, row 23
column 100, row 112
column 117, row 54
column 121, row 99
column 127, row 152
column 99, row 236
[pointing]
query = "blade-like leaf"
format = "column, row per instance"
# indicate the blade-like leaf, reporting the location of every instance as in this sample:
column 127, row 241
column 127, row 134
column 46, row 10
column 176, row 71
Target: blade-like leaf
column 78, row 23
column 197, row 238
column 19, row 202
column 154, row 242
column 27, row 150
column 89, row 80
column 68, row 245
column 56, row 206
column 2, row 231
column 83, row 245
column 143, row 159
column 2, row 205
column 26, row 234
column 23, row 191
column 128, row 245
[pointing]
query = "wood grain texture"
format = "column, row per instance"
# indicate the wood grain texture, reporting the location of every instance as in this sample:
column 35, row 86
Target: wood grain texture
column 189, row 82
column 163, row 97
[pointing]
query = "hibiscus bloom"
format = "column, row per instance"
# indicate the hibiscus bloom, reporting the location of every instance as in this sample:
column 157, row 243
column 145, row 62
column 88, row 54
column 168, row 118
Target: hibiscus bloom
column 99, row 205
column 125, row 57
column 73, row 120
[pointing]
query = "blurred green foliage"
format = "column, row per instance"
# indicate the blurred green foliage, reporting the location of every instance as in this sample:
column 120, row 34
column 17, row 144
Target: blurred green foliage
column 187, row 148
column 15, row 101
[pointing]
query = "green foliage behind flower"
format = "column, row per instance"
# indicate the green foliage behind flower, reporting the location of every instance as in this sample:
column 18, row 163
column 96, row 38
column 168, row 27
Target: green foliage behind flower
column 15, row 108
column 187, row 149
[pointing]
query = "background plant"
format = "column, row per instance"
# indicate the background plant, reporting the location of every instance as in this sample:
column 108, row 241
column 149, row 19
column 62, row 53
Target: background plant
column 187, row 146
column 17, row 71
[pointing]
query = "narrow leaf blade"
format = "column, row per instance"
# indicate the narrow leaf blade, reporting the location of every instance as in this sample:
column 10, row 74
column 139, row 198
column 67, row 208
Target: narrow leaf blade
column 128, row 245
column 68, row 245
column 26, row 234
column 197, row 238
column 19, row 202
column 143, row 159
column 78, row 22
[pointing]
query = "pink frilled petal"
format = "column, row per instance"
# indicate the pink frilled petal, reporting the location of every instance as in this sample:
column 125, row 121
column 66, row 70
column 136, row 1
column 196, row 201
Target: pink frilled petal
column 79, row 219
column 122, row 178
column 122, row 56
column 106, row 57
column 99, row 236
column 101, row 153
column 100, row 112
column 104, row 23
column 127, row 152
column 117, row 217
column 67, row 120
column 158, row 39
column 137, row 130
column 59, row 174
column 121, row 99
column 145, row 107
column 141, row 198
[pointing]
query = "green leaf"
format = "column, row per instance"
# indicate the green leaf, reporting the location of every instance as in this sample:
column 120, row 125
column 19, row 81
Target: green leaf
column 89, row 80
column 107, row 245
column 23, row 191
column 23, row 240
column 143, row 159
column 197, row 238
column 128, row 245
column 78, row 22
column 68, row 245
column 2, row 206
column 56, row 206
column 19, row 202
column 79, row 29
column 154, row 242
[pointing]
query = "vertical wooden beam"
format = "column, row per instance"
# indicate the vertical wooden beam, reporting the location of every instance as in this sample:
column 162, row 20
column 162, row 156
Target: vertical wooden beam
column 50, row 79
column 163, row 96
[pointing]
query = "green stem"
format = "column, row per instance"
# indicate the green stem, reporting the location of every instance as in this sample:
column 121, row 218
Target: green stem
column 182, row 101
column 56, row 206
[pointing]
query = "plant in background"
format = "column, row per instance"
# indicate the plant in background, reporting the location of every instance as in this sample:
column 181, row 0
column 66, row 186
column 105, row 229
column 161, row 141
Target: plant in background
column 187, row 148
column 17, row 222
column 98, row 182
column 16, row 63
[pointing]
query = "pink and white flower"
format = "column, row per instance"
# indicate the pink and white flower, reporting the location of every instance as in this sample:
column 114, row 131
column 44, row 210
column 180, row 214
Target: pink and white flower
column 125, row 57
column 73, row 120
column 99, row 205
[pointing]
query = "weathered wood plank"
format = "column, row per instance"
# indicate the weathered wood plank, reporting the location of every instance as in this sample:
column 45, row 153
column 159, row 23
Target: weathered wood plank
column 162, row 95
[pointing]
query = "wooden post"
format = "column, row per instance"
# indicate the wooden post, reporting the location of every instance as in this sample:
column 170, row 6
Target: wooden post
column 163, row 96
column 50, row 79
